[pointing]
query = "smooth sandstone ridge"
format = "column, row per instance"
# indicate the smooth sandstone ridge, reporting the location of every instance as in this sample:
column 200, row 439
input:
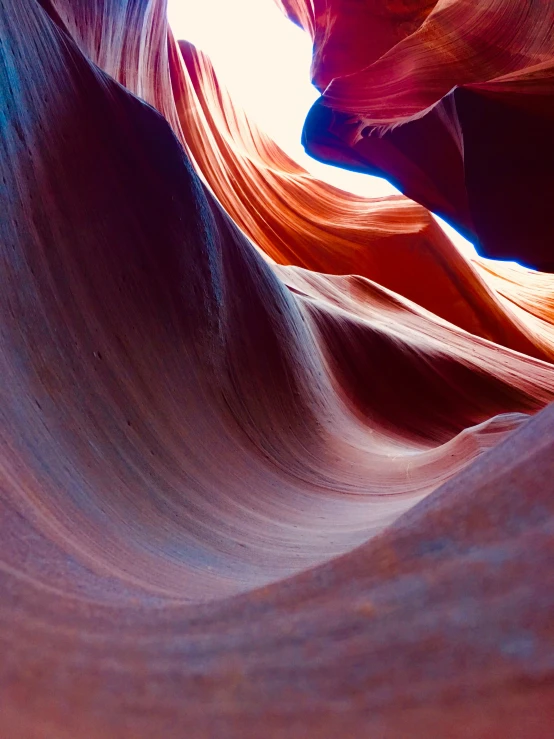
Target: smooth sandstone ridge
column 275, row 459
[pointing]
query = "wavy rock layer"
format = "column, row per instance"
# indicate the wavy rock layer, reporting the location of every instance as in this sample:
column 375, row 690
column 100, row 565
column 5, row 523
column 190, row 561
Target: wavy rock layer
column 452, row 100
column 218, row 375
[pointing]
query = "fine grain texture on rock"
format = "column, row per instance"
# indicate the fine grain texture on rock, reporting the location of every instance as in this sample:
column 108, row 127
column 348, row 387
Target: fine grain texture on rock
column 274, row 459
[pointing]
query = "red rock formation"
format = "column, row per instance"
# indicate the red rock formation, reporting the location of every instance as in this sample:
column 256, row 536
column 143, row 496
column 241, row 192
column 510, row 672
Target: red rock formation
column 296, row 219
column 452, row 100
column 220, row 391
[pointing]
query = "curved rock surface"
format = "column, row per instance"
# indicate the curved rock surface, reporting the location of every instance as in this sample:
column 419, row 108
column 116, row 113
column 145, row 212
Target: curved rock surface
column 452, row 100
column 269, row 461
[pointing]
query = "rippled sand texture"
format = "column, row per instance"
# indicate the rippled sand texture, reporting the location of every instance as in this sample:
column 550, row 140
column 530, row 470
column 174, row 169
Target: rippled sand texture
column 238, row 413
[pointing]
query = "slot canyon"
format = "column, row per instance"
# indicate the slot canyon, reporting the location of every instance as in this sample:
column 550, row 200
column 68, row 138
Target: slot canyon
column 277, row 459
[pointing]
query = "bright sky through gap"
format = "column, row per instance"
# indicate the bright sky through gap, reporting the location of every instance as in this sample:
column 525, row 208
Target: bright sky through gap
column 264, row 61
